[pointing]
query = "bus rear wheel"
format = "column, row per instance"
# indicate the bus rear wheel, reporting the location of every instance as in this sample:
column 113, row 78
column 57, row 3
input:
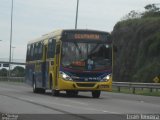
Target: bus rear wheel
column 96, row 93
column 37, row 90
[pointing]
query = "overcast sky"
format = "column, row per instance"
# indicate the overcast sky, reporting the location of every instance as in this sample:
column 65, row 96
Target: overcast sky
column 33, row 18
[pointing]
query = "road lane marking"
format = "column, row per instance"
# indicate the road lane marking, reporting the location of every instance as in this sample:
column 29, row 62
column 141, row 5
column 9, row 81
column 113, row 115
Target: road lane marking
column 77, row 102
column 111, row 112
column 74, row 107
column 51, row 108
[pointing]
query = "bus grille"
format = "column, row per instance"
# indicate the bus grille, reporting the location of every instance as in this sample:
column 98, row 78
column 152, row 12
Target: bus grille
column 85, row 85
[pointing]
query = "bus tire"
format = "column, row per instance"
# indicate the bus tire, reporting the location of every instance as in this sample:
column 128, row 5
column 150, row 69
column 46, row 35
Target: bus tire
column 50, row 80
column 55, row 92
column 96, row 93
column 72, row 93
column 76, row 93
column 37, row 90
column 41, row 90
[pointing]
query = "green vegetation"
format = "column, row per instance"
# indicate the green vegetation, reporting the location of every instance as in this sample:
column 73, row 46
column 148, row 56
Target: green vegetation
column 18, row 71
column 3, row 72
column 137, row 38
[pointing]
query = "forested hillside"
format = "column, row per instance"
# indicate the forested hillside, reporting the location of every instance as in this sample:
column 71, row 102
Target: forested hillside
column 137, row 39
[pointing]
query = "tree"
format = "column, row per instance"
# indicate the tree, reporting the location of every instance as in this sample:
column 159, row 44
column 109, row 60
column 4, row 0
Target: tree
column 18, row 71
column 151, row 11
column 132, row 15
column 151, row 8
column 3, row 72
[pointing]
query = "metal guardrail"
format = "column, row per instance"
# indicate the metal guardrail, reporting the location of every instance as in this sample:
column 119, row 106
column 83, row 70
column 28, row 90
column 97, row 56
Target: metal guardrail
column 12, row 79
column 119, row 85
column 133, row 86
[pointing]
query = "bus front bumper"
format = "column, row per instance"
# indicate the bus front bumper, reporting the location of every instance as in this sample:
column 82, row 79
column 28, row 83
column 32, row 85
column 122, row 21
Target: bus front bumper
column 85, row 86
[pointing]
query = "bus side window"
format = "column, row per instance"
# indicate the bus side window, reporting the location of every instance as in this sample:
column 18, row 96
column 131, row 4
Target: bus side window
column 39, row 56
column 32, row 52
column 51, row 48
column 28, row 52
column 36, row 52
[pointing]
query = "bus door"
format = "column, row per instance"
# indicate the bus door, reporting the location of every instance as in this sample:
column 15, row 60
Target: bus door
column 56, row 65
column 44, row 66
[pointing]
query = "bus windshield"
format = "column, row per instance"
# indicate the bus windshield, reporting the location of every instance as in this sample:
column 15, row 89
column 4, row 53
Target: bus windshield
column 86, row 56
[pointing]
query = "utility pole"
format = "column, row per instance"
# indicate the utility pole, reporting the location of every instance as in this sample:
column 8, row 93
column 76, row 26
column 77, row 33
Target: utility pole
column 9, row 74
column 12, row 58
column 76, row 14
column 12, row 52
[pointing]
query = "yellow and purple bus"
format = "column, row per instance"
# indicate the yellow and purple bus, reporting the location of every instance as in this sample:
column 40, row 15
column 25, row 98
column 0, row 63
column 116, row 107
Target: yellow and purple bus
column 71, row 61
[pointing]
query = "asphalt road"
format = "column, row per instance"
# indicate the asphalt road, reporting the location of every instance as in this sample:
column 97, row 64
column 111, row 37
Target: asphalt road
column 18, row 98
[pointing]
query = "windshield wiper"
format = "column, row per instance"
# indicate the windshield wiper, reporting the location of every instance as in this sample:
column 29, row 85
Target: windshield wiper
column 79, row 50
column 93, row 49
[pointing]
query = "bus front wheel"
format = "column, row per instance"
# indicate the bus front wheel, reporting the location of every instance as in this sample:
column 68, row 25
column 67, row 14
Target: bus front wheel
column 96, row 94
column 55, row 92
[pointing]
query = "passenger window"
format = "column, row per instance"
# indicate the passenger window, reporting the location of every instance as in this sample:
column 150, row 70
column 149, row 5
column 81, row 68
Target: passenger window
column 40, row 49
column 51, row 48
column 28, row 53
column 32, row 51
column 36, row 51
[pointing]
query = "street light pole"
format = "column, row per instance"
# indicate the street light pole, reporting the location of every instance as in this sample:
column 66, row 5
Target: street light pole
column 76, row 14
column 10, row 41
column 12, row 52
column 12, row 55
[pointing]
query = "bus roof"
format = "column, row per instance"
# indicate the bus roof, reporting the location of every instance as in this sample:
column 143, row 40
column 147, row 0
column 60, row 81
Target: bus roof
column 46, row 36
column 58, row 33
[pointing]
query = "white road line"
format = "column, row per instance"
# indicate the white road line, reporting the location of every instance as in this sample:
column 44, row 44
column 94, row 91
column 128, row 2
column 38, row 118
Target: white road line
column 77, row 102
column 71, row 106
column 111, row 112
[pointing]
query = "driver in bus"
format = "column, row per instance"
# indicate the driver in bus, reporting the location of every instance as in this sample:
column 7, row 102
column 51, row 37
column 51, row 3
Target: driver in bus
column 90, row 63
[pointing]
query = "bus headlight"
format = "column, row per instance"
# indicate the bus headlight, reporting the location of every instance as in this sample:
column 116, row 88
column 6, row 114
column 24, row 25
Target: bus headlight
column 106, row 78
column 65, row 76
